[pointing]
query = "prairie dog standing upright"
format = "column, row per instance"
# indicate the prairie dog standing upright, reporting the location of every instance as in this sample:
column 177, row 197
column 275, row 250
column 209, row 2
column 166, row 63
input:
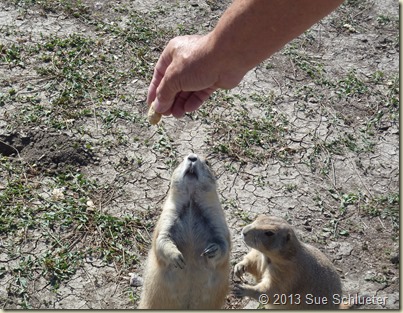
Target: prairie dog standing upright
column 292, row 274
column 188, row 264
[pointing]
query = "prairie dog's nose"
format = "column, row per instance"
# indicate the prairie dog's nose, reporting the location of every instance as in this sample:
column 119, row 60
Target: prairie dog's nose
column 192, row 157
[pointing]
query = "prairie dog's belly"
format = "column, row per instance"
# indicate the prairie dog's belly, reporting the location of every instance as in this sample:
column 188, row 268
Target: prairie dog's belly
column 193, row 284
column 192, row 233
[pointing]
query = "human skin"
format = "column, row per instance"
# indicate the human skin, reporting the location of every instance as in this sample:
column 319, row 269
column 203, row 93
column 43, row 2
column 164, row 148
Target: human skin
column 192, row 67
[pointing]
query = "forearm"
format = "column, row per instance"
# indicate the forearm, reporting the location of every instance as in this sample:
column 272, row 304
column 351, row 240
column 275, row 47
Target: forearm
column 252, row 30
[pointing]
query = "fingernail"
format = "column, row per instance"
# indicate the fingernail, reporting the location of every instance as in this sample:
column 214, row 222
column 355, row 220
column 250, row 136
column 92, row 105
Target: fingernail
column 157, row 106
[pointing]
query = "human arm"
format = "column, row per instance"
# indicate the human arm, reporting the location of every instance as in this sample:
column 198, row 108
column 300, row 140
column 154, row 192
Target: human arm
column 192, row 67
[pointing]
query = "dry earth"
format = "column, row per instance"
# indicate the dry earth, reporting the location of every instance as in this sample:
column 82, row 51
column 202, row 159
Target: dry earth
column 311, row 135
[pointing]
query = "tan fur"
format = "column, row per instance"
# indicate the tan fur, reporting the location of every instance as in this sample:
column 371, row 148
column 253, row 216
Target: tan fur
column 283, row 265
column 188, row 264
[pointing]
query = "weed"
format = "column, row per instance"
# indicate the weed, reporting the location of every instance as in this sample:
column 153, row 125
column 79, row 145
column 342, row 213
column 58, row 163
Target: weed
column 68, row 227
column 351, row 86
column 243, row 216
column 313, row 69
column 290, row 187
column 383, row 19
column 164, row 146
column 245, row 137
column 11, row 55
column 75, row 8
column 385, row 206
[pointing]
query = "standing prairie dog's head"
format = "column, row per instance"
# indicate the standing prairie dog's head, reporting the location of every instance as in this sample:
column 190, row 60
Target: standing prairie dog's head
column 193, row 175
column 270, row 235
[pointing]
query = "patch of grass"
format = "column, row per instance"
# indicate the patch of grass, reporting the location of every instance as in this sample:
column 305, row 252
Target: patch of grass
column 319, row 158
column 290, row 187
column 49, row 225
column 385, row 206
column 75, row 72
column 75, row 8
column 110, row 116
column 244, row 216
column 379, row 278
column 333, row 230
column 350, row 86
column 165, row 147
column 383, row 19
column 348, row 13
column 312, row 68
column 245, row 136
column 11, row 54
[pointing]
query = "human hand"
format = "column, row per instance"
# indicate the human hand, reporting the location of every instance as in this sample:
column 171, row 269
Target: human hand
column 191, row 68
column 188, row 71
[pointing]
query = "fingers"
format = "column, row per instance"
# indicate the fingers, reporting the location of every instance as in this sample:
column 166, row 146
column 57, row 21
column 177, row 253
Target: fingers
column 152, row 89
column 160, row 69
column 196, row 99
column 189, row 101
column 180, row 81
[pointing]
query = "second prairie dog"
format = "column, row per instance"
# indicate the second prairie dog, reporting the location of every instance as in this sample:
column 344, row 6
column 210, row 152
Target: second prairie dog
column 188, row 264
column 283, row 265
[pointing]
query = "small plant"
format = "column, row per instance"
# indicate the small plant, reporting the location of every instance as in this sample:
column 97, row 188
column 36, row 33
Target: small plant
column 383, row 19
column 351, row 86
column 247, row 137
column 62, row 219
column 290, row 187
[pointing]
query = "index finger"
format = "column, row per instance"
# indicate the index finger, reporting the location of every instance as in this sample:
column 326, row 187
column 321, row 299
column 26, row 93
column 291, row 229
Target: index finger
column 159, row 71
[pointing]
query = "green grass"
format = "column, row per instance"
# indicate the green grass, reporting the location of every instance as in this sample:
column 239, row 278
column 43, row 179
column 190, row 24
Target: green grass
column 384, row 206
column 244, row 137
column 62, row 213
column 74, row 8
column 345, row 203
column 75, row 72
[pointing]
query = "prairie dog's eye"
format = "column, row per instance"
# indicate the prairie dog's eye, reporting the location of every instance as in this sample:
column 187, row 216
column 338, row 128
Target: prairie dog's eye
column 207, row 163
column 269, row 233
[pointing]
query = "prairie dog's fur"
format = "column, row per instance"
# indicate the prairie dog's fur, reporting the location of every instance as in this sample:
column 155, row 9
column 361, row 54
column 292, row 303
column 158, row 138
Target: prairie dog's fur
column 283, row 265
column 188, row 264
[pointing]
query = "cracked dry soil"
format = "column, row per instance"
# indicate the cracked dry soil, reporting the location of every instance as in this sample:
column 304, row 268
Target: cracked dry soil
column 312, row 135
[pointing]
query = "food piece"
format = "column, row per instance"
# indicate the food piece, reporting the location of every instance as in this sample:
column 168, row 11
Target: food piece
column 153, row 117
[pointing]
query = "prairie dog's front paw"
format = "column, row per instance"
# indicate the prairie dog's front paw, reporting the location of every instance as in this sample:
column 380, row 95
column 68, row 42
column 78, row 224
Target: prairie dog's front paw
column 239, row 270
column 177, row 260
column 239, row 290
column 211, row 251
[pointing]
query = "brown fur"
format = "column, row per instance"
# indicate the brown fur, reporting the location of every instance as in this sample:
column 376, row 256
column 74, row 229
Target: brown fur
column 188, row 265
column 283, row 265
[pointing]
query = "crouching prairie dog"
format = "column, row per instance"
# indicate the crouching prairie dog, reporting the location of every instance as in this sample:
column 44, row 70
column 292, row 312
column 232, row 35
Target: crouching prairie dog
column 290, row 274
column 188, row 264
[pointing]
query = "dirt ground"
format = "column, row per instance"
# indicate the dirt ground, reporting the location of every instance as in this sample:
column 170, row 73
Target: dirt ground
column 311, row 135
